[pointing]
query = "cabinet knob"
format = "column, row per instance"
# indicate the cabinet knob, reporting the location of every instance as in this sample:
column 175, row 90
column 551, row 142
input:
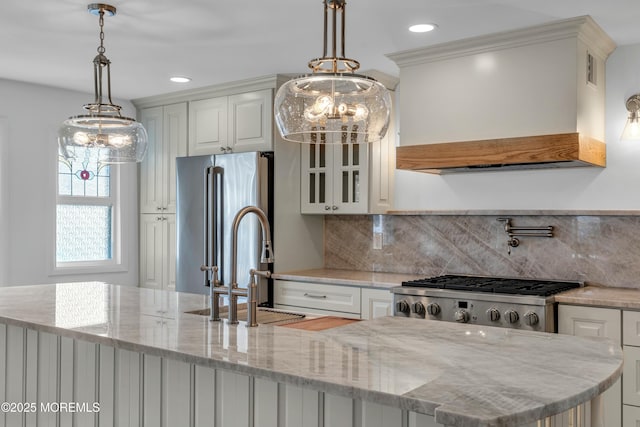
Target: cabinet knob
column 158, row 208
column 158, row 218
column 229, row 149
column 326, row 208
column 223, row 149
column 335, row 208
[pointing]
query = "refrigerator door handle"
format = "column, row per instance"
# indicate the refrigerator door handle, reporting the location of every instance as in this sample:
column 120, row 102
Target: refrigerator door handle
column 213, row 221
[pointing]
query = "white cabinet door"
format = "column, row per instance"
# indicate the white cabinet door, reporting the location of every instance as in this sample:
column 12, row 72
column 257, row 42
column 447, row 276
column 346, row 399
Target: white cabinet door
column 151, row 167
column 208, row 126
column 347, row 178
column 350, row 178
column 158, row 251
column 174, row 145
column 596, row 322
column 235, row 123
column 630, row 416
column 590, row 322
column 334, row 178
column 631, row 375
column 169, row 256
column 167, row 131
column 631, row 328
column 151, row 251
column 382, row 171
column 250, row 118
column 316, row 178
column 376, row 303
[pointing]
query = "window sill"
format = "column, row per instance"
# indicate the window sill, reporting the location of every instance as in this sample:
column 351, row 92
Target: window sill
column 88, row 269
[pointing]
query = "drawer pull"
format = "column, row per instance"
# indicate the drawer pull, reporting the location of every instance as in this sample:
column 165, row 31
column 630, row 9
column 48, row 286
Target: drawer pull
column 315, row 296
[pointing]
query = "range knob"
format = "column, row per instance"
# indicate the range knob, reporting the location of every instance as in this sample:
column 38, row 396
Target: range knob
column 402, row 307
column 531, row 318
column 493, row 314
column 461, row 316
column 511, row 316
column 418, row 308
column 433, row 309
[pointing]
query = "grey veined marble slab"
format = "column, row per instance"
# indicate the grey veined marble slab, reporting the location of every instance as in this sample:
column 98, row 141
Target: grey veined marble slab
column 464, row 375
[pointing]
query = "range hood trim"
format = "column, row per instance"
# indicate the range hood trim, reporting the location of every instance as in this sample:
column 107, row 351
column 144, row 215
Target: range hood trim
column 531, row 152
column 582, row 27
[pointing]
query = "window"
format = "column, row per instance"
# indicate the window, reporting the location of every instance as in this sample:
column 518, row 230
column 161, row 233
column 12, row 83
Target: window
column 87, row 214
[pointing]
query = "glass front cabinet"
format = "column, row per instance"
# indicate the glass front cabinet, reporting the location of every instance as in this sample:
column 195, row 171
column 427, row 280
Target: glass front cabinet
column 334, row 178
column 347, row 178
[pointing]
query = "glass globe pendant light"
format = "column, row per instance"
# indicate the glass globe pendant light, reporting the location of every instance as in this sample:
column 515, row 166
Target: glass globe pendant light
column 109, row 136
column 333, row 104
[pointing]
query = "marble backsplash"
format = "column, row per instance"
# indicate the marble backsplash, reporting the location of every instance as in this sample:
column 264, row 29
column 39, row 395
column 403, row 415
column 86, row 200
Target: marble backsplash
column 597, row 249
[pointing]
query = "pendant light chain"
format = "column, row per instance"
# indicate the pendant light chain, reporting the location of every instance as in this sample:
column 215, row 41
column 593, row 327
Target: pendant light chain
column 101, row 48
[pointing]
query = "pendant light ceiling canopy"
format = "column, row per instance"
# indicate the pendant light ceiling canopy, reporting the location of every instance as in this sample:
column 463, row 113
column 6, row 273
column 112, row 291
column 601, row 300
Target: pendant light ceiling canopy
column 109, row 136
column 333, row 104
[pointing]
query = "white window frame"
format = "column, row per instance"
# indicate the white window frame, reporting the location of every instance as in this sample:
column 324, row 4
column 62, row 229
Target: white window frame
column 116, row 263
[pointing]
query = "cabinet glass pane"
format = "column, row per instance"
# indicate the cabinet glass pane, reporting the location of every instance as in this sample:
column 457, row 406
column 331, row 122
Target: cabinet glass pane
column 356, row 154
column 312, row 188
column 323, row 155
column 345, row 187
column 345, row 155
column 321, row 191
column 312, row 156
column 356, row 186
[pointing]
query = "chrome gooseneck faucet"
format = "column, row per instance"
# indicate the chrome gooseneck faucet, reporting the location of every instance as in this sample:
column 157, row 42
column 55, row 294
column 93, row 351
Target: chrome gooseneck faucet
column 233, row 291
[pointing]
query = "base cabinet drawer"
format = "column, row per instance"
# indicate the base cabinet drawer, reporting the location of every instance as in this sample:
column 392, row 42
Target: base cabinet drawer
column 317, row 296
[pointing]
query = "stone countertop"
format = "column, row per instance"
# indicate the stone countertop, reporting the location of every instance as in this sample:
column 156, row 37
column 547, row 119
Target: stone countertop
column 601, row 297
column 464, row 375
column 347, row 277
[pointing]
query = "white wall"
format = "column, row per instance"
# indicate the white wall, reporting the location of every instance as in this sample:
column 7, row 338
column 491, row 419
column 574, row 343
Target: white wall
column 4, row 220
column 612, row 188
column 33, row 114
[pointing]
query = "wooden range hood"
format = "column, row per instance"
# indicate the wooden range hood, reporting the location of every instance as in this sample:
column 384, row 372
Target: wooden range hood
column 534, row 152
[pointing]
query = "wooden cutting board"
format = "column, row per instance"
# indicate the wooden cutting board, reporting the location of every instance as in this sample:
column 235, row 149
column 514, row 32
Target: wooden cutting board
column 320, row 323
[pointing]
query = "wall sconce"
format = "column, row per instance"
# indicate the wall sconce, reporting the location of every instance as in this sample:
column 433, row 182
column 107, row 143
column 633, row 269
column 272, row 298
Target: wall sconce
column 632, row 128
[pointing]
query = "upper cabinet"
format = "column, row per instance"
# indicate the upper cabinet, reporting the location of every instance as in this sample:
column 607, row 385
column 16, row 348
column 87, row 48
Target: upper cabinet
column 335, row 178
column 167, row 130
column 348, row 178
column 234, row 123
column 491, row 101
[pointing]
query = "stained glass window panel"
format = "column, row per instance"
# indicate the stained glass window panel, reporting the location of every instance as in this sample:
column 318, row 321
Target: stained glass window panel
column 83, row 233
column 83, row 177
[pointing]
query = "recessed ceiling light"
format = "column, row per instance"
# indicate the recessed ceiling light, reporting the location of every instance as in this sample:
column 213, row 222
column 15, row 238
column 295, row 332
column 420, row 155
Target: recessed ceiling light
column 422, row 28
column 180, row 79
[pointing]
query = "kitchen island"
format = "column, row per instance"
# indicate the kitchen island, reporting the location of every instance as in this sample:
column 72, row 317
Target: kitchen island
column 143, row 360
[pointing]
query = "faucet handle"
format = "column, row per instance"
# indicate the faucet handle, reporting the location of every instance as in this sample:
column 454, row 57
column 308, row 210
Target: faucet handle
column 267, row 252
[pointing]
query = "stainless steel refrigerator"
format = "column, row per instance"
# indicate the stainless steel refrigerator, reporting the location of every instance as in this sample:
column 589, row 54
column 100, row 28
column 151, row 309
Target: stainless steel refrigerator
column 210, row 191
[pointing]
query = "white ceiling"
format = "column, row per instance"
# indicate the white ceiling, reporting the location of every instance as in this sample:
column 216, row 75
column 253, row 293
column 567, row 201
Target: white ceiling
column 53, row 42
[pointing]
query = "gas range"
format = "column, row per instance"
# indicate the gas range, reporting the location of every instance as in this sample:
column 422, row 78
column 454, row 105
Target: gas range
column 517, row 303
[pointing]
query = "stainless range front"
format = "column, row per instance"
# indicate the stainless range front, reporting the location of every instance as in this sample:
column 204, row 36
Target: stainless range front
column 493, row 301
